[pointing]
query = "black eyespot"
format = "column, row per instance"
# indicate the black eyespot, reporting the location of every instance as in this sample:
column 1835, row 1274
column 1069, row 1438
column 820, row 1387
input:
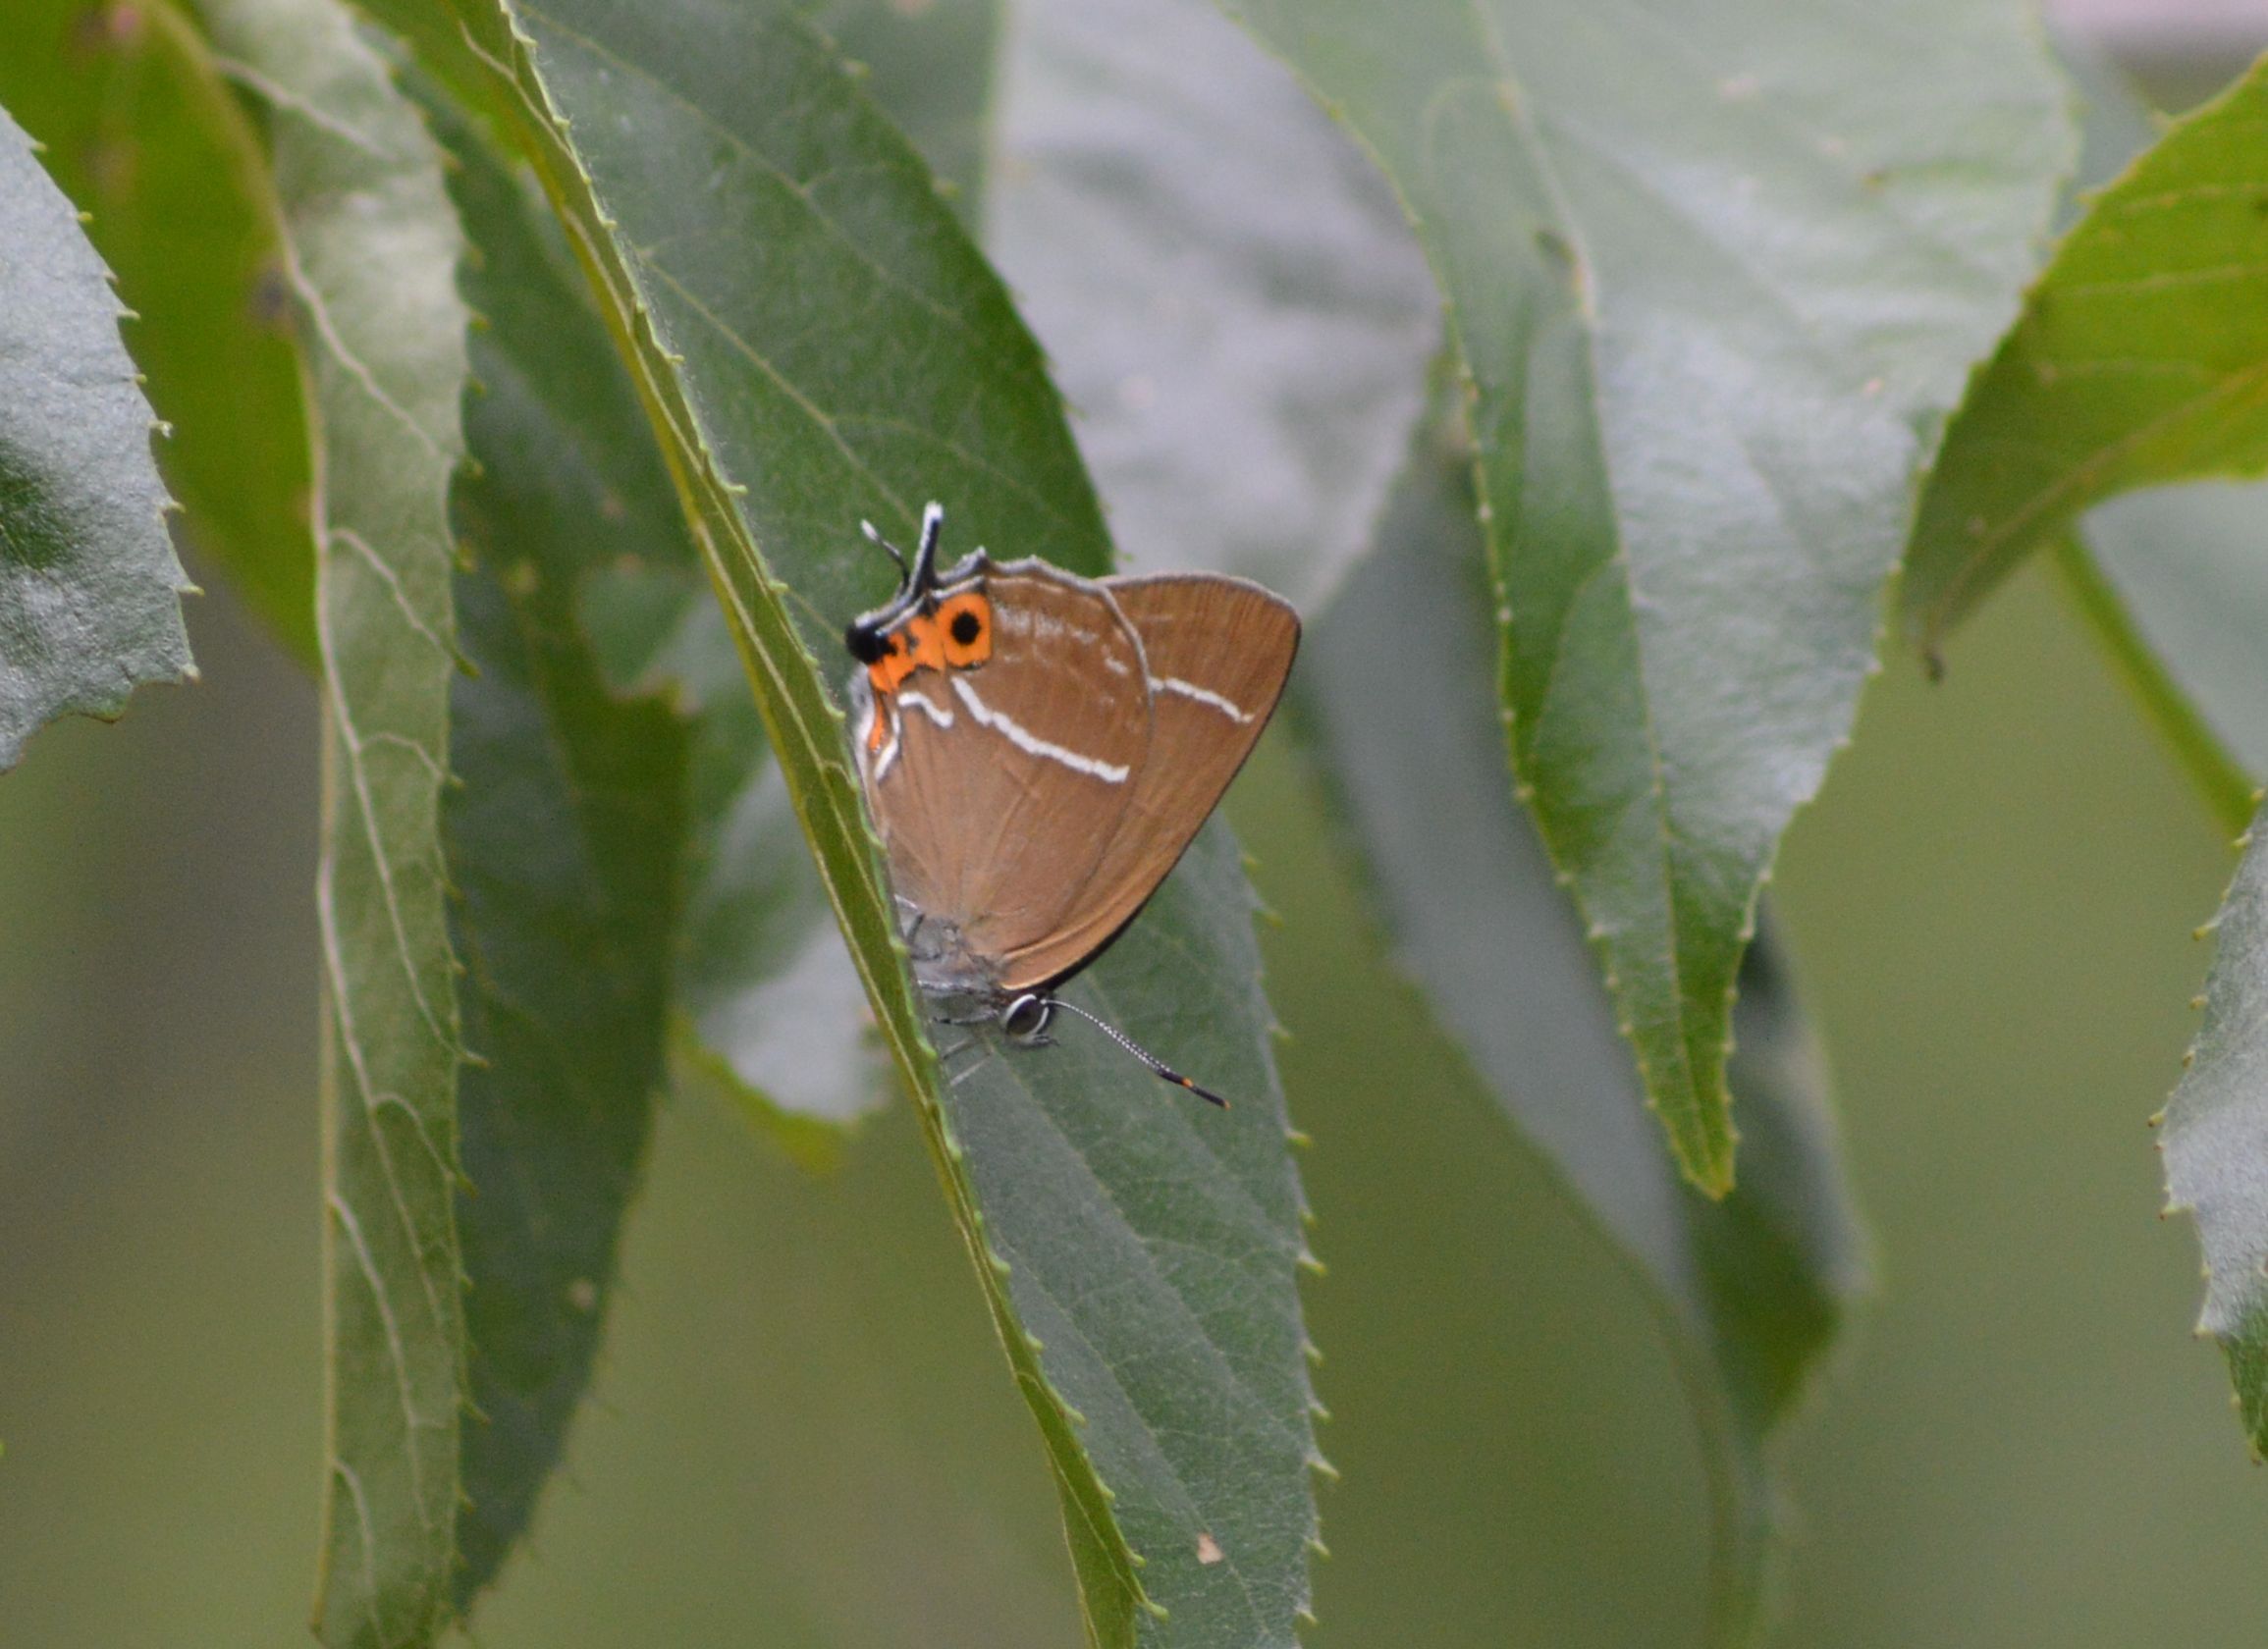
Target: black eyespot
column 864, row 643
column 967, row 626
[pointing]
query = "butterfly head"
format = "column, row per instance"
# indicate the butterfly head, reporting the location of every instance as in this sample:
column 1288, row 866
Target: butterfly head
column 917, row 582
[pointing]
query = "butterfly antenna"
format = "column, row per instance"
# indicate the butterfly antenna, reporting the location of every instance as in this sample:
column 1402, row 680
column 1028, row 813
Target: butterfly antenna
column 1158, row 1067
column 893, row 551
column 925, row 558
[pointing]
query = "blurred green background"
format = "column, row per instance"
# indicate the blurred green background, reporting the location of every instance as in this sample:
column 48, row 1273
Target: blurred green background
column 803, row 1434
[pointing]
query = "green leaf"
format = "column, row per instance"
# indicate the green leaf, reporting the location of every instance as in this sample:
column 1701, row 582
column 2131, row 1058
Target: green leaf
column 1715, row 273
column 2170, row 578
column 371, row 251
column 144, row 136
column 2137, row 360
column 565, row 834
column 1395, row 687
column 1150, row 1244
column 1229, row 292
column 2216, row 1136
column 89, row 589
column 816, row 341
column 928, row 65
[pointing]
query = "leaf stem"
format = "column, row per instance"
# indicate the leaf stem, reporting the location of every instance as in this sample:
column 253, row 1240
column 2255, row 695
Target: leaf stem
column 2228, row 789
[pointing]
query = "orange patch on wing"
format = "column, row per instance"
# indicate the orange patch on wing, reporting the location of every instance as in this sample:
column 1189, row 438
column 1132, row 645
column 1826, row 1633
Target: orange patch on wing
column 963, row 629
column 956, row 636
column 905, row 650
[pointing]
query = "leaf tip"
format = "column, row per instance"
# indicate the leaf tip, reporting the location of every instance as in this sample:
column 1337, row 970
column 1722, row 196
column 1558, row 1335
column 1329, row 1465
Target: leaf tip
column 1708, row 1164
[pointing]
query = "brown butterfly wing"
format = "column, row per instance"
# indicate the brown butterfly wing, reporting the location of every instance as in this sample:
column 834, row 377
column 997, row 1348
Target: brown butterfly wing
column 1009, row 778
column 1218, row 649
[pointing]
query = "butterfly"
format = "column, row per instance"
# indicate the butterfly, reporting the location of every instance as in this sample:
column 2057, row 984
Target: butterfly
column 1039, row 749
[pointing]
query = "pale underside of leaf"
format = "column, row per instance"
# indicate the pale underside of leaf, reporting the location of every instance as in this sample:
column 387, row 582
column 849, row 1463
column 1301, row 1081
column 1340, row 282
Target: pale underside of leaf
column 371, row 248
column 89, row 589
column 2216, row 1137
column 1715, row 274
column 1233, row 301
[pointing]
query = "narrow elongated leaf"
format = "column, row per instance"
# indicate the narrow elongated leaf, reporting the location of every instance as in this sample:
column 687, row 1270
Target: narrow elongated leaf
column 145, row 135
column 2139, row 359
column 89, row 590
column 817, row 341
column 1750, row 1287
column 2216, row 1137
column 1233, row 301
column 372, row 248
column 1715, row 273
column 564, row 834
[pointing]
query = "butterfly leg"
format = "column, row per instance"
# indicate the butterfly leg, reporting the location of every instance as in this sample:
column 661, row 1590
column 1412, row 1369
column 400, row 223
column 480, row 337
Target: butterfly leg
column 923, row 941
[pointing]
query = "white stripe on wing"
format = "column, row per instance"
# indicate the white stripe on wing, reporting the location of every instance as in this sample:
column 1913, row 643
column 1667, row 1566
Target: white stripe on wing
column 1203, row 695
column 1024, row 739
